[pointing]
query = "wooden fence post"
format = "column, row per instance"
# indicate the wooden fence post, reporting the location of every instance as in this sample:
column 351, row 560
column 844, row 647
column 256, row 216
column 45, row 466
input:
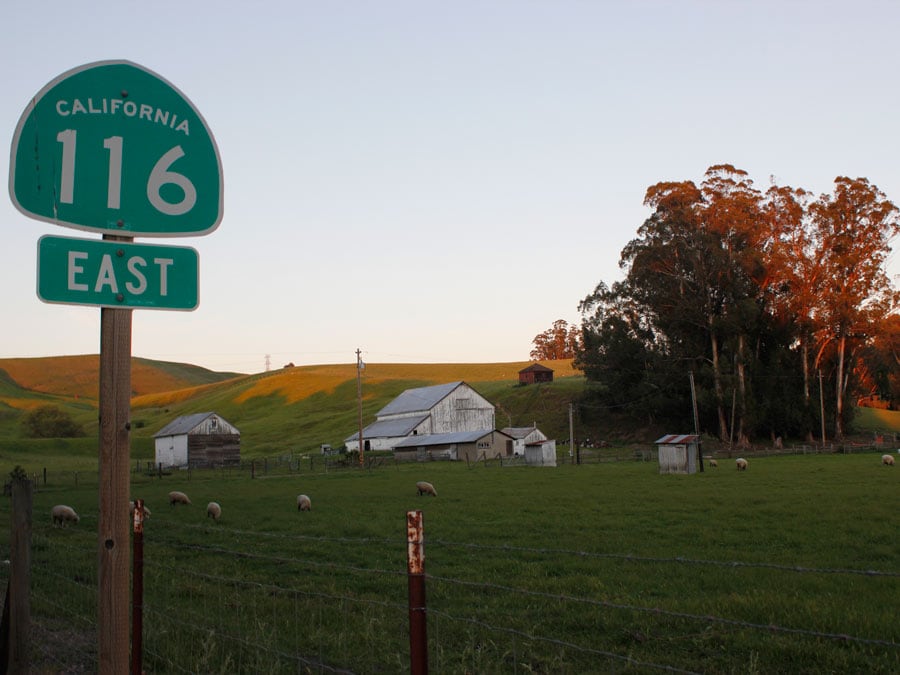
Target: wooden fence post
column 415, row 557
column 20, row 577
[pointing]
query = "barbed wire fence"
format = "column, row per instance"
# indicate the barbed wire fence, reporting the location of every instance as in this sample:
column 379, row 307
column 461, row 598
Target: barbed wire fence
column 220, row 599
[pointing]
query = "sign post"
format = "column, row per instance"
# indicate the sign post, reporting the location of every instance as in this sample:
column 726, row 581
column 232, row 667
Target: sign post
column 112, row 147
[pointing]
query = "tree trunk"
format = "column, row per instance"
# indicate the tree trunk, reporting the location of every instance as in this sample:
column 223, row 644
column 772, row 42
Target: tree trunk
column 717, row 385
column 839, row 390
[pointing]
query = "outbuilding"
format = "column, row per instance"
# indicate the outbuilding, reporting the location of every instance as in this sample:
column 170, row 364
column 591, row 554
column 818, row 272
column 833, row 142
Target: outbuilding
column 678, row 453
column 535, row 373
column 461, row 445
column 201, row 440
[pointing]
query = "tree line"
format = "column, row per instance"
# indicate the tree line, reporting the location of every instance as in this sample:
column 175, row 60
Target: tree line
column 776, row 302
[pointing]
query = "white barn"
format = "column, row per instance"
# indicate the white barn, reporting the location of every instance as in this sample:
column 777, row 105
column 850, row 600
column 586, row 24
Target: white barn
column 439, row 409
column 522, row 436
column 200, row 440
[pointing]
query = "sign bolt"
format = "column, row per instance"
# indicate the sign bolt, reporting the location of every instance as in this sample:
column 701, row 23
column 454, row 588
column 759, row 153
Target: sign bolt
column 120, row 223
column 119, row 297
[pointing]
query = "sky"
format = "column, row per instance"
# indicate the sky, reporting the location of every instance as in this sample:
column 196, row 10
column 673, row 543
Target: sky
column 439, row 182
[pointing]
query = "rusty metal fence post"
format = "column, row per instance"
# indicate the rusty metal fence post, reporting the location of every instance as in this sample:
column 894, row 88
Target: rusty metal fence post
column 137, row 590
column 415, row 564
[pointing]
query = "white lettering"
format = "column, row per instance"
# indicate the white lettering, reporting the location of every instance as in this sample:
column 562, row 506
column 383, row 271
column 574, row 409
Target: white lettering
column 117, row 106
column 164, row 264
column 134, row 265
column 74, row 269
column 106, row 276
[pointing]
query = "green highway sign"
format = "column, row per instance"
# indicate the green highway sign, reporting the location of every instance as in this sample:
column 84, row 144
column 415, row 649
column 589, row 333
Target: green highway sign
column 112, row 147
column 117, row 274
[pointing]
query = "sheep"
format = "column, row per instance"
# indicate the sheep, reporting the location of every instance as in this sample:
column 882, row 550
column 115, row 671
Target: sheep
column 425, row 488
column 303, row 503
column 713, row 464
column 887, row 460
column 742, row 464
column 176, row 497
column 62, row 514
column 131, row 510
column 214, row 511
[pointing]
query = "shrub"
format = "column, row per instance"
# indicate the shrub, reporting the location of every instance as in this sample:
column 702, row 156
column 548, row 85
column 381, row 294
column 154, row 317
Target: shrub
column 48, row 421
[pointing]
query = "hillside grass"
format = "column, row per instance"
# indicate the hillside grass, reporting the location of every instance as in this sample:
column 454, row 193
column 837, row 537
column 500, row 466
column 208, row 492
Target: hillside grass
column 529, row 569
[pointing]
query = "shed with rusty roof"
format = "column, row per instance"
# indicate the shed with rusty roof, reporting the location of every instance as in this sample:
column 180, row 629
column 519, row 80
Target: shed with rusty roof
column 678, row 453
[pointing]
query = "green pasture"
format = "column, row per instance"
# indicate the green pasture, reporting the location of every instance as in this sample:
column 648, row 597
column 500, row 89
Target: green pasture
column 790, row 567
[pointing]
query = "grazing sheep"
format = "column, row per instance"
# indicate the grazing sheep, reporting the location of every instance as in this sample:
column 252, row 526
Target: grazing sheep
column 178, row 498
column 62, row 514
column 713, row 463
column 131, row 510
column 303, row 503
column 214, row 511
column 425, row 488
column 887, row 460
column 742, row 464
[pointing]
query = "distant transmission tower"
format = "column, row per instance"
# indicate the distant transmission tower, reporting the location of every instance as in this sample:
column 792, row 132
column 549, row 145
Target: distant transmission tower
column 268, row 362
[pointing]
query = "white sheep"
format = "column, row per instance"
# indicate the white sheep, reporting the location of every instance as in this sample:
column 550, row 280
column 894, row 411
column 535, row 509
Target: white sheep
column 742, row 464
column 62, row 514
column 887, row 460
column 713, row 463
column 147, row 512
column 425, row 488
column 214, row 511
column 303, row 503
column 176, row 497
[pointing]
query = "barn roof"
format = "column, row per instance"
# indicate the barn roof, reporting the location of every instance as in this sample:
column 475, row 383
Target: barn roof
column 444, row 439
column 677, row 439
column 536, row 367
column 518, row 432
column 422, row 399
column 182, row 425
column 389, row 428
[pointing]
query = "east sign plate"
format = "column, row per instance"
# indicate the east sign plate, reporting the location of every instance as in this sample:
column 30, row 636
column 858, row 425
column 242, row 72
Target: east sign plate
column 117, row 274
column 113, row 147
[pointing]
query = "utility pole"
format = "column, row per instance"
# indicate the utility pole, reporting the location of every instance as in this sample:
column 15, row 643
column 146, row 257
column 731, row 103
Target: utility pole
column 571, row 432
column 359, row 366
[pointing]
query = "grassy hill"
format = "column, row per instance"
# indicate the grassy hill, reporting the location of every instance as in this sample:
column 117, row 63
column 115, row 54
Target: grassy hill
column 296, row 409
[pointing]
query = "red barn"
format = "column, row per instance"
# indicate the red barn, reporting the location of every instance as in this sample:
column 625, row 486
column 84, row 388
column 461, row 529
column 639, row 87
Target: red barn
column 535, row 373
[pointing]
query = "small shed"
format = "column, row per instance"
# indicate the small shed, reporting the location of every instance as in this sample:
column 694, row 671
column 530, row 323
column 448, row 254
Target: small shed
column 201, row 440
column 535, row 373
column 678, row 453
column 541, row 453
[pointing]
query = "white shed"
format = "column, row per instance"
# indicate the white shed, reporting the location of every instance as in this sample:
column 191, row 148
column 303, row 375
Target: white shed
column 678, row 453
column 198, row 440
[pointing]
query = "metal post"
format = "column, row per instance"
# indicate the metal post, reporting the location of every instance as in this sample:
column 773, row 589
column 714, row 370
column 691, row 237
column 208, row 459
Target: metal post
column 415, row 564
column 137, row 591
column 113, row 549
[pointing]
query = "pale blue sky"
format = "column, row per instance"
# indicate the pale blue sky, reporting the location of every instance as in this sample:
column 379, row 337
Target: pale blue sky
column 439, row 182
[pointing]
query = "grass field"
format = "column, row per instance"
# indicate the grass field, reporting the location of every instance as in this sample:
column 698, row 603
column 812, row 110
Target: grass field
column 790, row 567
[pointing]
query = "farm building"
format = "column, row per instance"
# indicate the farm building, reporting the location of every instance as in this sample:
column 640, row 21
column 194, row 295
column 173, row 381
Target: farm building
column 678, row 453
column 522, row 436
column 461, row 445
column 535, row 373
column 200, row 440
column 439, row 409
